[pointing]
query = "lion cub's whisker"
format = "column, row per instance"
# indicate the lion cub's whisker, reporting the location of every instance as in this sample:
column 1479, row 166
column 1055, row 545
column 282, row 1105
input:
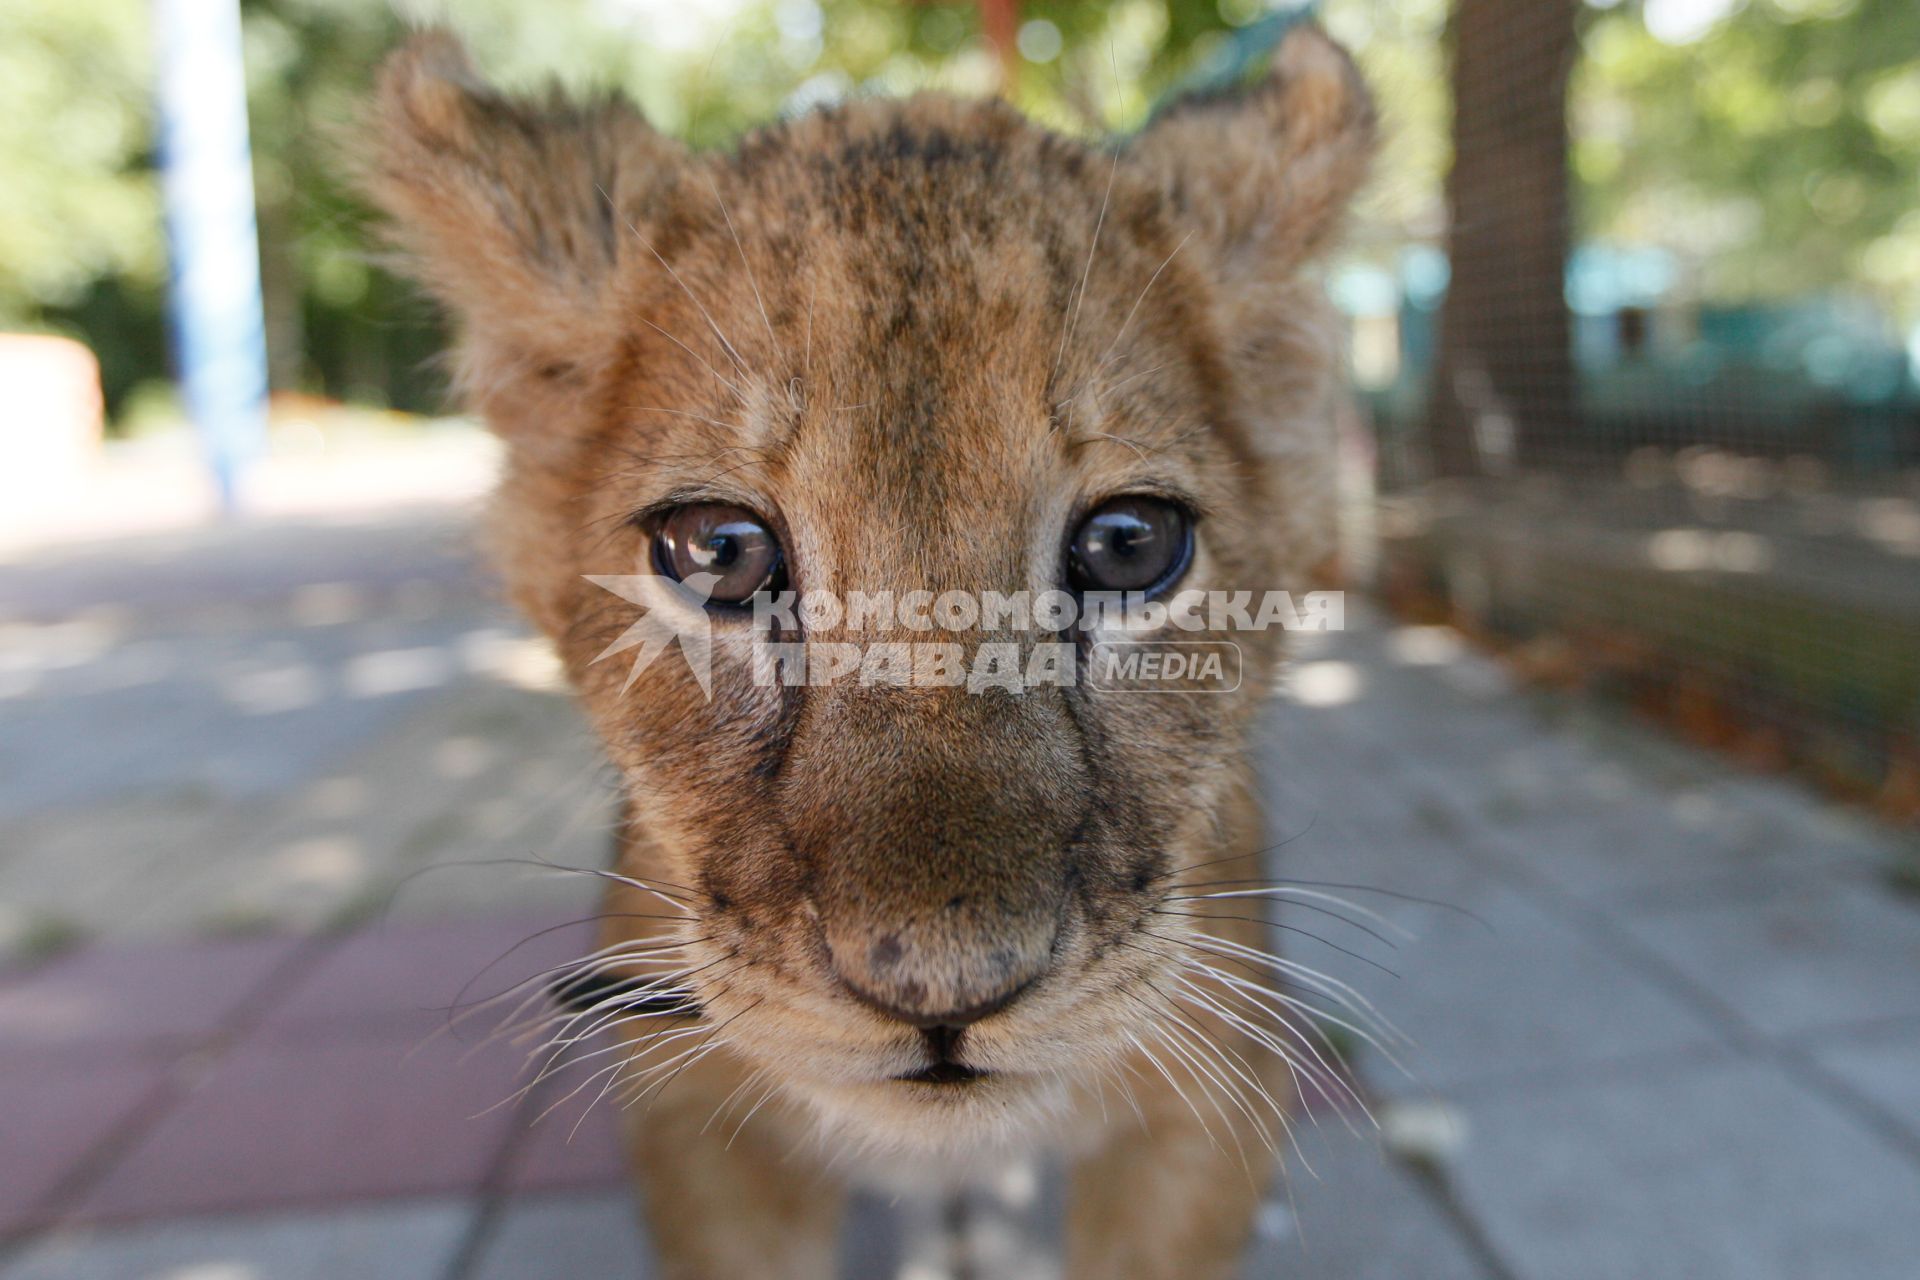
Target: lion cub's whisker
column 535, row 995
column 1267, row 998
column 1305, row 896
column 1203, row 913
column 1232, row 1061
column 1393, row 894
column 1341, row 993
column 1331, row 1079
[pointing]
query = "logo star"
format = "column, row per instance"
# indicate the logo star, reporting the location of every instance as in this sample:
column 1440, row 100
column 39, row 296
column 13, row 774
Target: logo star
column 672, row 610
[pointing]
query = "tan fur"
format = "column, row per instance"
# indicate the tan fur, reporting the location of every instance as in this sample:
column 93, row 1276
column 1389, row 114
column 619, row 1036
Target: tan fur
column 922, row 338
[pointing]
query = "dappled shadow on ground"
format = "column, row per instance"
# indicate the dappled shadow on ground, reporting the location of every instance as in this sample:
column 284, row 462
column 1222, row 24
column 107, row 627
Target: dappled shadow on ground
column 269, row 725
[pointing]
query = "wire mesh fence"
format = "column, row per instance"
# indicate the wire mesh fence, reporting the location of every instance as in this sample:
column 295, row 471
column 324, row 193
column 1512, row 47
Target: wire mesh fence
column 1644, row 405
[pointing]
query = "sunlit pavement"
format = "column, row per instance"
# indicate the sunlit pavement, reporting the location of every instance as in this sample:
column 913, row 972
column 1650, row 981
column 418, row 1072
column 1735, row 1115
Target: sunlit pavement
column 1664, row 1019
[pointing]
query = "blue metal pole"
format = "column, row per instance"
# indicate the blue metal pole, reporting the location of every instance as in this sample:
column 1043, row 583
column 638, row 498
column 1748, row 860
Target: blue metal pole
column 207, row 178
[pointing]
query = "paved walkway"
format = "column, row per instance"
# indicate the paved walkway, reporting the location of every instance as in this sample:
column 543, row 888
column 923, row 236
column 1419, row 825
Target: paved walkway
column 1667, row 1019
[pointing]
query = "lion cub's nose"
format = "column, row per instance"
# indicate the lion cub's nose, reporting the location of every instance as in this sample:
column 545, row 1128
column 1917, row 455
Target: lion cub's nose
column 944, row 1019
column 936, row 981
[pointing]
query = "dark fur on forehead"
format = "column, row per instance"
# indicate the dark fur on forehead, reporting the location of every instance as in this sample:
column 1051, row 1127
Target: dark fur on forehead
column 513, row 212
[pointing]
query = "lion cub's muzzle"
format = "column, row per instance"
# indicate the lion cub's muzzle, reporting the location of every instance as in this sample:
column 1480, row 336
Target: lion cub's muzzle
column 941, row 877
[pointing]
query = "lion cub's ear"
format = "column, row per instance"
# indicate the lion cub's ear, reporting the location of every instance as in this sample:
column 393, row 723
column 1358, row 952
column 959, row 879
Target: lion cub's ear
column 514, row 214
column 1260, row 181
column 1262, row 177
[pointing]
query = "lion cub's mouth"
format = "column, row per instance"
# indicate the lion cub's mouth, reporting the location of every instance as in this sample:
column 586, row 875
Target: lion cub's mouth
column 947, row 1073
column 943, row 1043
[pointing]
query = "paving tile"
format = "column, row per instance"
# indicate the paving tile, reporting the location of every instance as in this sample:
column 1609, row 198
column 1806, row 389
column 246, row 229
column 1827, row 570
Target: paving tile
column 1714, row 1170
column 1308, row 774
column 574, row 1146
column 279, row 1123
column 75, row 747
column 1461, row 711
column 1534, row 997
column 389, row 1242
column 473, row 890
column 56, row 1113
column 558, row 810
column 1649, row 846
column 1591, row 801
column 1486, row 984
column 100, row 868
column 879, row 1237
column 347, row 831
column 1884, row 1067
column 1013, row 1227
column 126, row 995
column 1548, row 767
column 599, row 1234
column 572, row 1134
column 415, row 973
column 593, row 1237
column 1798, row 958
column 411, row 796
column 1759, row 806
column 1356, row 1216
column 1360, row 1219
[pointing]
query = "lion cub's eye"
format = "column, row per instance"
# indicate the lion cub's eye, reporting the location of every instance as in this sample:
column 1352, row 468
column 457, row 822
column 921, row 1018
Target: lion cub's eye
column 731, row 543
column 1132, row 543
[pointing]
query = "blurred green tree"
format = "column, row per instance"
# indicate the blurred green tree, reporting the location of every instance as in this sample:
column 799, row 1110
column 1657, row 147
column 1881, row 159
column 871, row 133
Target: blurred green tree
column 81, row 248
column 79, row 201
column 1778, row 146
column 1775, row 145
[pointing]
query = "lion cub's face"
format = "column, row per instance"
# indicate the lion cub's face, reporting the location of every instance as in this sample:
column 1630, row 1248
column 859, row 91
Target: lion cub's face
column 890, row 348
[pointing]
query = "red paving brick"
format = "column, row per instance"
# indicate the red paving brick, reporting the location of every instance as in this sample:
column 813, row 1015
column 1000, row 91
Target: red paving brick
column 575, row 1145
column 349, row 1087
column 289, row 1121
column 413, row 975
column 121, row 997
column 55, row 1115
column 575, row 1139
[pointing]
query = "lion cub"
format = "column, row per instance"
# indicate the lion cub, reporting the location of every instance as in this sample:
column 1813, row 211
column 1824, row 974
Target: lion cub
column 927, row 352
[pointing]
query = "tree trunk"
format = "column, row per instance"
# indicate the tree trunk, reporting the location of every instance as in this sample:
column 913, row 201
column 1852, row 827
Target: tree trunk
column 1503, row 392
